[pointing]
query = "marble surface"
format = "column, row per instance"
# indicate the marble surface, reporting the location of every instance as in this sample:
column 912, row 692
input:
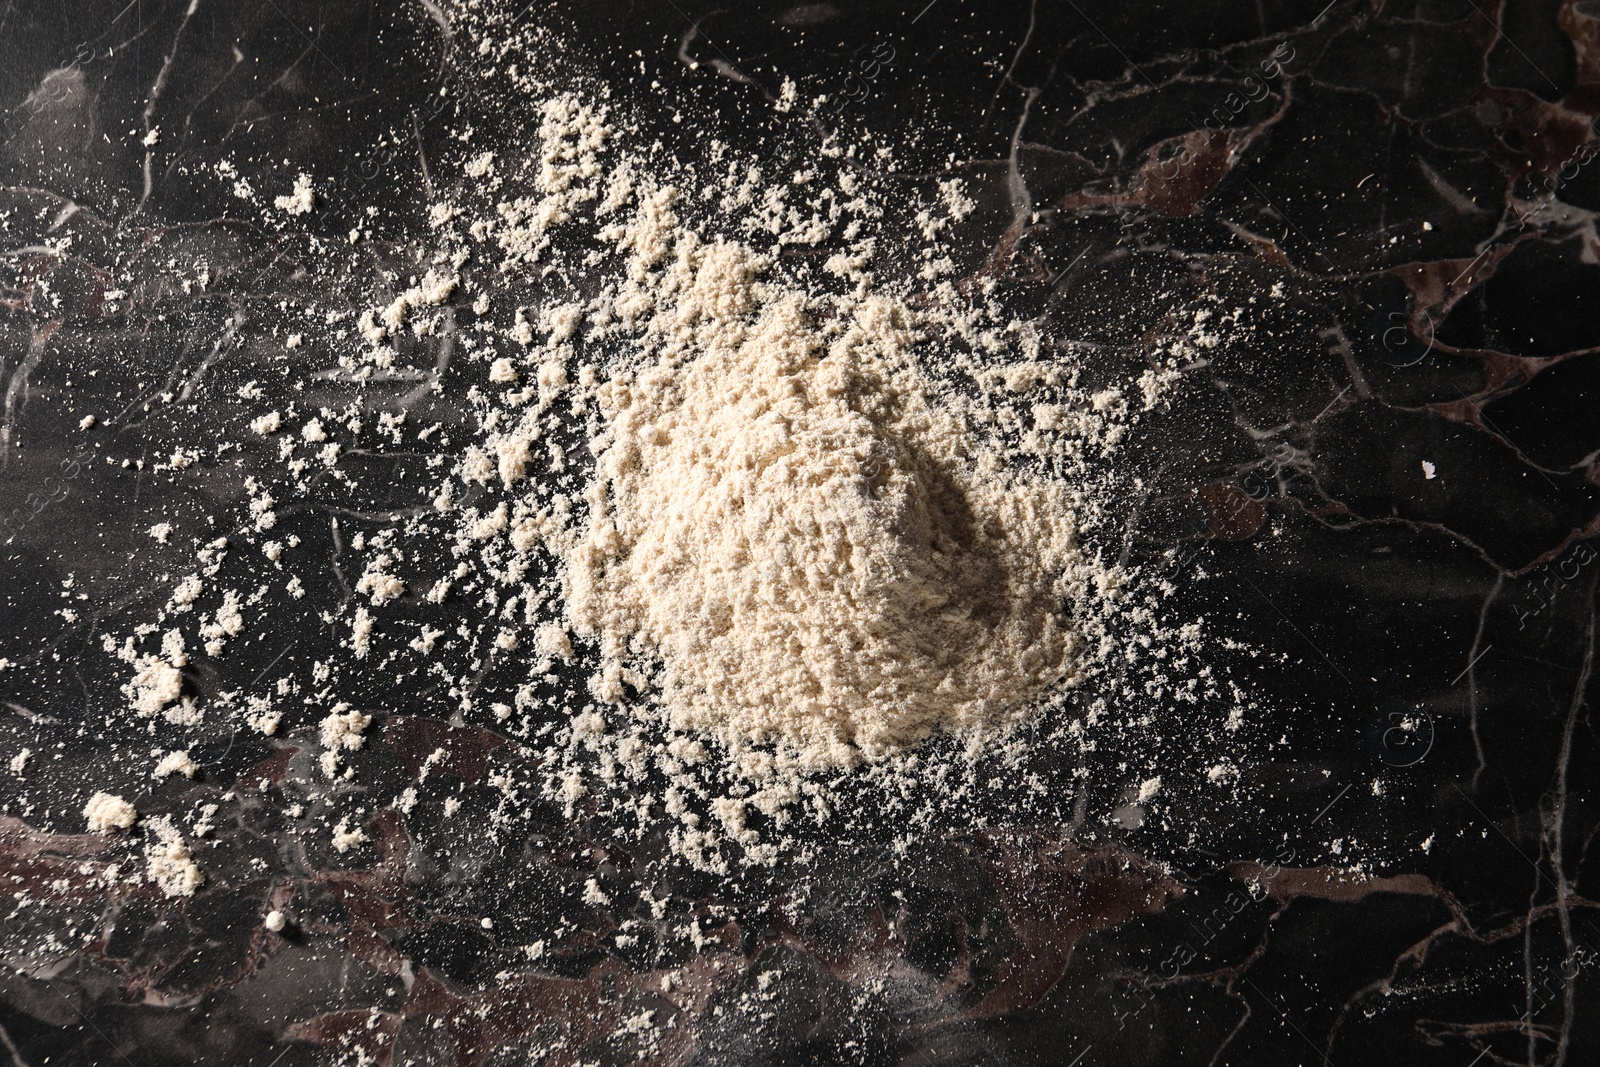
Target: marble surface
column 1384, row 482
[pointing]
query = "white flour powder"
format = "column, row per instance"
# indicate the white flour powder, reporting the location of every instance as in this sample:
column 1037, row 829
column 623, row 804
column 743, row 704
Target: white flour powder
column 813, row 550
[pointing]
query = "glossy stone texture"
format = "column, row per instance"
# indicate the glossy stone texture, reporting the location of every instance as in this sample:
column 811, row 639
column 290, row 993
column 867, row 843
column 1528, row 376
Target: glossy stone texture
column 1388, row 491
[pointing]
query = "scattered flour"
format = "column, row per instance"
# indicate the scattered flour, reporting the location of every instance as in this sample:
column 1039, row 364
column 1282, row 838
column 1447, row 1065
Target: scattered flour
column 791, row 516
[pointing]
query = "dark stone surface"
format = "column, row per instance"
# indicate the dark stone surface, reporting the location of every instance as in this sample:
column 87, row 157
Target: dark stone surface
column 1415, row 176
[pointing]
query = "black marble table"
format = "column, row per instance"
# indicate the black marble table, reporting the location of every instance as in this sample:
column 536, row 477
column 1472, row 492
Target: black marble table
column 1380, row 487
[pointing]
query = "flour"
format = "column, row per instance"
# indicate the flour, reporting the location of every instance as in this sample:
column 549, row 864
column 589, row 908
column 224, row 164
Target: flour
column 704, row 480
column 343, row 730
column 228, row 622
column 811, row 548
column 346, row 837
column 799, row 547
column 187, row 592
column 155, row 684
column 106, row 812
column 361, row 633
column 175, row 763
column 378, row 584
column 168, row 862
column 300, row 200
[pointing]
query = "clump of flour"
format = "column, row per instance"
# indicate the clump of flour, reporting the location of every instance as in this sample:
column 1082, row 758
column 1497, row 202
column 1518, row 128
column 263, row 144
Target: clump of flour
column 106, row 811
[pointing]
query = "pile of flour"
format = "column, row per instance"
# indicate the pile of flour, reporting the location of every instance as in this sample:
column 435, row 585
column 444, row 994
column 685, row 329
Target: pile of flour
column 800, row 545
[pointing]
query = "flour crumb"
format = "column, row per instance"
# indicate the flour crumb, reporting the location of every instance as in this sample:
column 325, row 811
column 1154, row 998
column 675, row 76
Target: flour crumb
column 301, row 198
column 361, row 633
column 156, row 683
column 177, row 762
column 106, row 812
column 168, row 862
column 378, row 584
column 346, row 837
column 342, row 731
